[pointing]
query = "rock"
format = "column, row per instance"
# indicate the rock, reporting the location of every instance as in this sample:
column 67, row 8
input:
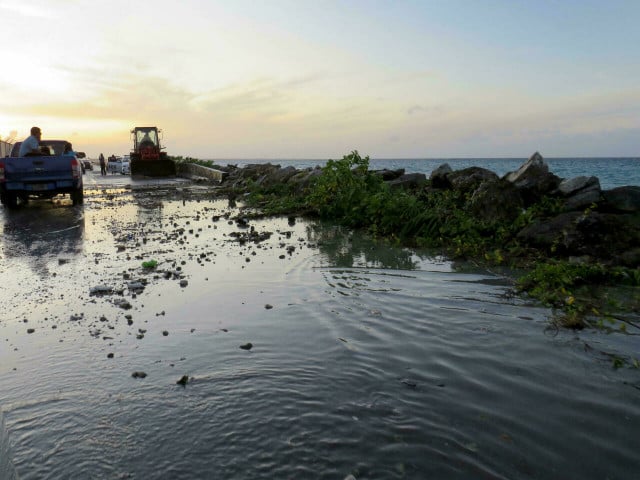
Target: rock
column 496, row 201
column 247, row 346
column 533, row 179
column 469, row 179
column 276, row 177
column 440, row 177
column 409, row 181
column 605, row 236
column 183, row 380
column 583, row 199
column 302, row 180
column 122, row 303
column 536, row 163
column 268, row 306
column 184, row 283
column 100, row 290
column 135, row 286
column 546, row 233
column 31, row 330
column 138, row 374
column 574, row 185
column 622, row 199
column 388, row 175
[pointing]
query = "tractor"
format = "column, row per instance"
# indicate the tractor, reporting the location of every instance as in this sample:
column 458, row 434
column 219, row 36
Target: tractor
column 147, row 157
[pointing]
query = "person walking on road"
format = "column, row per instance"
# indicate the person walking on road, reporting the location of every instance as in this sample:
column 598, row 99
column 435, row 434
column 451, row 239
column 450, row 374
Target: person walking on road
column 103, row 165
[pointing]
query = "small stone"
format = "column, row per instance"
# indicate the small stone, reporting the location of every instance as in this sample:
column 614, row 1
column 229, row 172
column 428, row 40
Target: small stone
column 184, row 283
column 247, row 346
column 138, row 374
column 110, row 355
column 31, row 330
column 268, row 306
column 100, row 290
column 183, row 381
column 165, row 333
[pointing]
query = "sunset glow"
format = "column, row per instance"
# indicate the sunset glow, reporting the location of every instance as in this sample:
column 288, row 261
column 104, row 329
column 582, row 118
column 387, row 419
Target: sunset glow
column 317, row 79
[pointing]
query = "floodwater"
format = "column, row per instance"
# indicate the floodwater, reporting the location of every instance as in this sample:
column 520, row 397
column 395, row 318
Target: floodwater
column 366, row 359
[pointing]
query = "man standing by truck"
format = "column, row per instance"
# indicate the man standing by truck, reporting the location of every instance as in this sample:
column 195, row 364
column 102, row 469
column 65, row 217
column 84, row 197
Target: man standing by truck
column 103, row 165
column 31, row 145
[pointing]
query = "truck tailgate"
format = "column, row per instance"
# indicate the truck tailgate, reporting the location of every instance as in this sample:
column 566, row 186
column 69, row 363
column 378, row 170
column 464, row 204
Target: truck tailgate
column 34, row 169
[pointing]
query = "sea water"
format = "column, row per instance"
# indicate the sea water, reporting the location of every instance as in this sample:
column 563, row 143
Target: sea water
column 367, row 359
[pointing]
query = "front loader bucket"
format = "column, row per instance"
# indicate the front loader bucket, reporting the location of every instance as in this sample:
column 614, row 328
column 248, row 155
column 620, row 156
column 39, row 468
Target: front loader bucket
column 153, row 168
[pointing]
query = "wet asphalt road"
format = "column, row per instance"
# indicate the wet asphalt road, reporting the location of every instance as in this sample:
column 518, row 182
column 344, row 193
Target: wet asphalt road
column 93, row 179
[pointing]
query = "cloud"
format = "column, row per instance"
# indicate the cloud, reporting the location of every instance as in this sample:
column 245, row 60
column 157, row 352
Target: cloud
column 425, row 110
column 28, row 9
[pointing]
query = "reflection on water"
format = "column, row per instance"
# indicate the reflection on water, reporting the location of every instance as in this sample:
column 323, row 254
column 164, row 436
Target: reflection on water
column 42, row 231
column 367, row 360
column 343, row 249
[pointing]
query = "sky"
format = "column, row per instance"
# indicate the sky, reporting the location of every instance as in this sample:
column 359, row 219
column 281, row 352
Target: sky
column 286, row 79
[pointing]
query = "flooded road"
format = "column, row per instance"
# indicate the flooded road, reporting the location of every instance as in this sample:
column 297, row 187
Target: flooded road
column 359, row 358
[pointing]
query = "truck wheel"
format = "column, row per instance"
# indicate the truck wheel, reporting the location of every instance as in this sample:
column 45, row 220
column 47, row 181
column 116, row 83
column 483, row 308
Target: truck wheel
column 10, row 200
column 77, row 197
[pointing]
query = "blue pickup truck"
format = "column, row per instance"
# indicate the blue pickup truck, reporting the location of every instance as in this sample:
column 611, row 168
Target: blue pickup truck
column 45, row 176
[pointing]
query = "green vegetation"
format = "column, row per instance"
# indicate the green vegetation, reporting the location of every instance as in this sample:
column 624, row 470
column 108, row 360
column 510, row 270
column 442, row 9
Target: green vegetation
column 348, row 193
column 180, row 160
column 585, row 294
column 150, row 264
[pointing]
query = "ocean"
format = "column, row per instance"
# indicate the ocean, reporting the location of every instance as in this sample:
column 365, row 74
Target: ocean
column 611, row 171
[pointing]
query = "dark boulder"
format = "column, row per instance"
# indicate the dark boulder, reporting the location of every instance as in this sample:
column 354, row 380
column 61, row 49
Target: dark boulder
column 583, row 199
column 576, row 185
column 440, row 177
column 409, row 181
column 496, row 201
column 533, row 179
column 302, row 180
column 276, row 176
column 605, row 236
column 580, row 192
column 469, row 179
column 622, row 199
column 388, row 175
column 549, row 234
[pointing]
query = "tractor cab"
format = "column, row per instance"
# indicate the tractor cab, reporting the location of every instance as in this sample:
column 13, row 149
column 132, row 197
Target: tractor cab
column 145, row 137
